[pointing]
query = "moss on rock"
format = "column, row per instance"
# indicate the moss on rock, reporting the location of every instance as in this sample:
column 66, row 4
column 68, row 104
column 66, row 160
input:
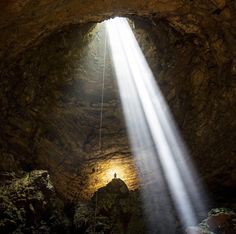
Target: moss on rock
column 30, row 205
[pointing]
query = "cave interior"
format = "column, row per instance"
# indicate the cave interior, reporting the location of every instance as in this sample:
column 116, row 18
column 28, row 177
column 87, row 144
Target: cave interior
column 72, row 151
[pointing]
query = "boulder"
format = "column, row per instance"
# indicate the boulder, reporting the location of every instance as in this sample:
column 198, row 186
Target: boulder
column 29, row 205
column 219, row 220
column 112, row 209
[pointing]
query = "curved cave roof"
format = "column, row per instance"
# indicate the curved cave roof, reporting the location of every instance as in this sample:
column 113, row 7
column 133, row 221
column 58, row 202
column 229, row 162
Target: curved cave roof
column 23, row 23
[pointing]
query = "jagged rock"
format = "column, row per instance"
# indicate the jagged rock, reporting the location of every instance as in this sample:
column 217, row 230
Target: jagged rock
column 50, row 88
column 219, row 220
column 113, row 194
column 50, row 93
column 112, row 209
column 29, row 205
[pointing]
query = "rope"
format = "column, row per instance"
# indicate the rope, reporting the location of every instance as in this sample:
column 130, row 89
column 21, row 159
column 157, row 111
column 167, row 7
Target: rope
column 101, row 118
column 102, row 96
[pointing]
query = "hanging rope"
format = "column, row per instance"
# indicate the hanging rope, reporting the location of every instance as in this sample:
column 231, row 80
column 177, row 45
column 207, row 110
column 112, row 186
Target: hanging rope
column 102, row 97
column 101, row 118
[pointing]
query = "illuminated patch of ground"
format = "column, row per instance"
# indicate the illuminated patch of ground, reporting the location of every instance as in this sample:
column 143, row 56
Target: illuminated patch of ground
column 103, row 172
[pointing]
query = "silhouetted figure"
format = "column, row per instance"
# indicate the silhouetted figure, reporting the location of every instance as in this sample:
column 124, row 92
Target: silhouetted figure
column 115, row 176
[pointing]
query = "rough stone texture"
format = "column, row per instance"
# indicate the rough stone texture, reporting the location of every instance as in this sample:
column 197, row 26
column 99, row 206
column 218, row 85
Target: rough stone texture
column 31, row 21
column 22, row 23
column 117, row 211
column 200, row 90
column 29, row 205
column 50, row 100
column 219, row 220
column 52, row 119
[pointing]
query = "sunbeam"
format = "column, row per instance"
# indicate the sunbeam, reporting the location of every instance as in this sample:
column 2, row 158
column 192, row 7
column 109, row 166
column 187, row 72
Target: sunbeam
column 157, row 147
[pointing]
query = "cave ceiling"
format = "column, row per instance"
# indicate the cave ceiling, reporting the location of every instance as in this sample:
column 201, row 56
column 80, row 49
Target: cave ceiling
column 24, row 22
column 51, row 55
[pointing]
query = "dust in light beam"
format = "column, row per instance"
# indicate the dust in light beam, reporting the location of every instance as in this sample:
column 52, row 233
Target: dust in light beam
column 157, row 146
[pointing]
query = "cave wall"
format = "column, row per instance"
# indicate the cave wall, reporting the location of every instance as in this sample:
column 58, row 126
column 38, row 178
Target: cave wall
column 52, row 111
column 50, row 98
column 198, row 81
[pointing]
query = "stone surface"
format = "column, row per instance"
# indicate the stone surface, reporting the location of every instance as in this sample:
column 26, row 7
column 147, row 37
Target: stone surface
column 51, row 66
column 219, row 220
column 29, row 205
column 51, row 92
column 23, row 23
column 33, row 21
column 115, row 209
column 112, row 209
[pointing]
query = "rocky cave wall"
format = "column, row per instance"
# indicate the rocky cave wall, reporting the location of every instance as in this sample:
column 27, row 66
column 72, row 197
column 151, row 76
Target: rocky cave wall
column 50, row 120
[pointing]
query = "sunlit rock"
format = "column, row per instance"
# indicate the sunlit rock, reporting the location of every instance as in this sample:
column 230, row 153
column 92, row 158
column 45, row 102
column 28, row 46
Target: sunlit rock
column 113, row 208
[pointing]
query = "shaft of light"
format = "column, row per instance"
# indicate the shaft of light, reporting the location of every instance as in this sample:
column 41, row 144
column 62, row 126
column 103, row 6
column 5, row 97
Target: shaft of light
column 152, row 132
